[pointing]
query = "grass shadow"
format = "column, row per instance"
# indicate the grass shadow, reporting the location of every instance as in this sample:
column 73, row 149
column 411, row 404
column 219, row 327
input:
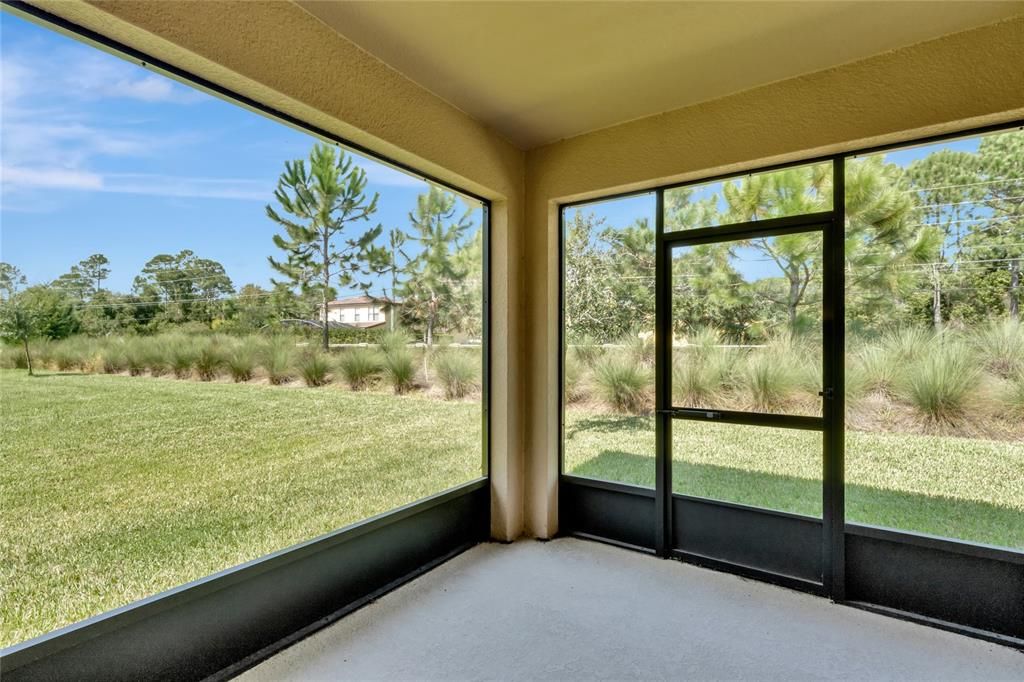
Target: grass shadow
column 955, row 518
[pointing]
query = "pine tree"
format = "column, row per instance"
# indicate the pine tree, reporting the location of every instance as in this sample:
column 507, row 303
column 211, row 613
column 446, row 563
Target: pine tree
column 321, row 202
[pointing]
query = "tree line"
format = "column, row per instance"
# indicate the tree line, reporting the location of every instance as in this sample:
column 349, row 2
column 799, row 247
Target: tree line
column 937, row 242
column 430, row 271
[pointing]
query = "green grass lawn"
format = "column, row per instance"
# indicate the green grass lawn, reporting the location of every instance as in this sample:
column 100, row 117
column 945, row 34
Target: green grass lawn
column 961, row 488
column 115, row 488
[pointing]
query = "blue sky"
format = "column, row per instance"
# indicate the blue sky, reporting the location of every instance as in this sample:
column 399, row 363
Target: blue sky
column 98, row 155
column 750, row 264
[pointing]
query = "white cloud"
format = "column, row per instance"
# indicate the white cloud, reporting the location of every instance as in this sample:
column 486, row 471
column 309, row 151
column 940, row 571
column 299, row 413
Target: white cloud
column 20, row 179
column 49, row 178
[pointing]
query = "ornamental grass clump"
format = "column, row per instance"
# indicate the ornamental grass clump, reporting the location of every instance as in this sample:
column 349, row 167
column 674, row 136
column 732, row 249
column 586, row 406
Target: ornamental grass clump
column 136, row 354
column 639, row 347
column 209, row 359
column 241, row 360
column 359, row 367
column 181, row 354
column 398, row 364
column 587, row 351
column 622, row 383
column 1013, row 395
column 278, row 360
column 315, row 368
column 457, row 373
column 400, row 370
column 877, row 367
column 1000, row 345
column 701, row 370
column 112, row 357
column 772, row 376
column 940, row 384
column 575, row 388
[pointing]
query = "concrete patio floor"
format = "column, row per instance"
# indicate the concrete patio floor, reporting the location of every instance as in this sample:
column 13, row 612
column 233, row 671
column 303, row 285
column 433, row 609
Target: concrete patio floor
column 571, row 609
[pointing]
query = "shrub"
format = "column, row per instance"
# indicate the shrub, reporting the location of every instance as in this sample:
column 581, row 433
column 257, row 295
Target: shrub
column 181, row 352
column 770, row 379
column 400, row 370
column 392, row 342
column 157, row 356
column 1000, row 344
column 7, row 359
column 359, row 367
column 907, row 344
column 112, row 357
column 697, row 382
column 587, row 351
column 575, row 389
column 72, row 354
column 209, row 359
column 314, row 368
column 939, row 384
column 623, row 384
column 1013, row 396
column 278, row 360
column 640, row 348
column 241, row 360
column 136, row 354
column 457, row 373
column 877, row 367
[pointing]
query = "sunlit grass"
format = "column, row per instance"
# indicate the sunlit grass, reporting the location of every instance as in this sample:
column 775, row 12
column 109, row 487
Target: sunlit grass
column 965, row 488
column 115, row 488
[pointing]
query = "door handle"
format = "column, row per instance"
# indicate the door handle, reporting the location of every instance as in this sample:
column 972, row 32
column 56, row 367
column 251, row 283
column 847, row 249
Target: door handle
column 691, row 412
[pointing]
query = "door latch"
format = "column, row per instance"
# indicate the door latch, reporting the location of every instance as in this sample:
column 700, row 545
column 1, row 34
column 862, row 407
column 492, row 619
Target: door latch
column 828, row 394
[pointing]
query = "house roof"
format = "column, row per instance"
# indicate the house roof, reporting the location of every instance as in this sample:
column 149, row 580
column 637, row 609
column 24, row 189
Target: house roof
column 359, row 300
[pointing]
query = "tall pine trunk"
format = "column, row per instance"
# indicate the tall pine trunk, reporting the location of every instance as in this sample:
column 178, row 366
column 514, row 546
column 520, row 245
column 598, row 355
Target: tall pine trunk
column 327, row 285
column 936, row 299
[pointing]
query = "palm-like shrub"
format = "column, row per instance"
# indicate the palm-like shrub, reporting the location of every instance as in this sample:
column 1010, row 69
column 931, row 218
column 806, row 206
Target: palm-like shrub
column 457, row 373
column 314, row 368
column 623, row 384
column 209, row 359
column 940, row 384
column 1000, row 344
column 278, row 361
column 241, row 360
column 359, row 367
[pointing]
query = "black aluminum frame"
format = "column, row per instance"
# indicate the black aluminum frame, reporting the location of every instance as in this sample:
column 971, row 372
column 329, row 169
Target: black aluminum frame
column 220, row 625
column 956, row 585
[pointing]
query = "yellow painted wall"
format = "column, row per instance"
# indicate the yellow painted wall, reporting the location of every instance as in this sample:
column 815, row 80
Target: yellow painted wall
column 957, row 81
column 279, row 55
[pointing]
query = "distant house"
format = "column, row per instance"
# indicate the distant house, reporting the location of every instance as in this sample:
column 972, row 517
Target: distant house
column 359, row 311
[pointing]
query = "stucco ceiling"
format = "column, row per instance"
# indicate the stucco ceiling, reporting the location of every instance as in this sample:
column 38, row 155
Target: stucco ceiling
column 537, row 72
